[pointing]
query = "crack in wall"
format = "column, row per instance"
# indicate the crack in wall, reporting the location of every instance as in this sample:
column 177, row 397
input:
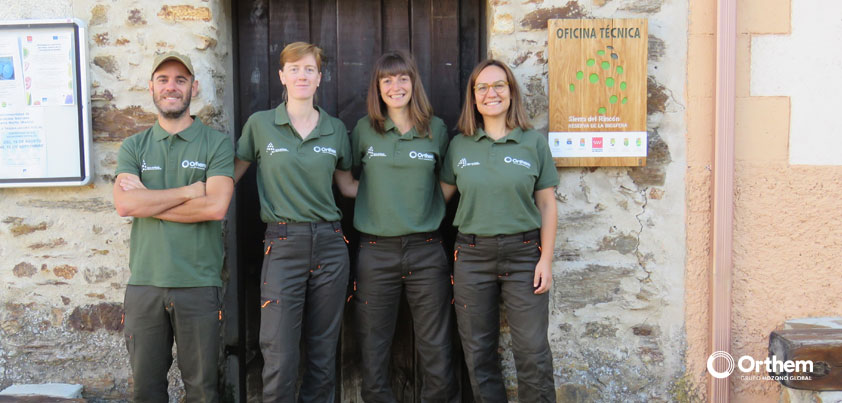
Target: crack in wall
column 641, row 258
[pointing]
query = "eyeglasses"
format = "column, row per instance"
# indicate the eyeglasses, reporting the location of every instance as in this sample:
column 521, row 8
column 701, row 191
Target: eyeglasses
column 499, row 87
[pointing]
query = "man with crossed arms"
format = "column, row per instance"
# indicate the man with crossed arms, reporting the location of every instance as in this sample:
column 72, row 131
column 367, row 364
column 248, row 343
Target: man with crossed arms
column 175, row 179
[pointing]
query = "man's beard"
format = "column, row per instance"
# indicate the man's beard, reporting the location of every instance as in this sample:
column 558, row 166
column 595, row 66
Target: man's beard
column 175, row 114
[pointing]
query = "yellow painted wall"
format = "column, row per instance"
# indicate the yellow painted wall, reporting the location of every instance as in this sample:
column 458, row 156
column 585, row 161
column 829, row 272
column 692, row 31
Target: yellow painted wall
column 786, row 233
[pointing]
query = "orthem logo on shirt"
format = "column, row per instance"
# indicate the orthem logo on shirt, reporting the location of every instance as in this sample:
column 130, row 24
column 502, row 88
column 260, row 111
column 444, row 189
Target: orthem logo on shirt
column 325, row 150
column 194, row 165
column 515, row 161
column 270, row 148
column 144, row 167
column 418, row 155
column 464, row 163
column 370, row 153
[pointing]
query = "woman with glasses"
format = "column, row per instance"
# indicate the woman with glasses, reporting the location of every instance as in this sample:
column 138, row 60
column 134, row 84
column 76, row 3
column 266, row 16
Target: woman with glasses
column 399, row 147
column 299, row 150
column 507, row 221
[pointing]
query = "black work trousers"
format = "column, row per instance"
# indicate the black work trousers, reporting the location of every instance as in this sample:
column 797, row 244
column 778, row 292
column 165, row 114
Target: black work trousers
column 303, row 288
column 416, row 264
column 155, row 317
column 486, row 270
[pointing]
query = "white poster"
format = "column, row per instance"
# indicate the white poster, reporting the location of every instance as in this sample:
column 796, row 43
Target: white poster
column 23, row 148
column 11, row 81
column 48, row 69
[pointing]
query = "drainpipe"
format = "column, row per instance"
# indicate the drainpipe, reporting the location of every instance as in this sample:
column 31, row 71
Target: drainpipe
column 723, row 192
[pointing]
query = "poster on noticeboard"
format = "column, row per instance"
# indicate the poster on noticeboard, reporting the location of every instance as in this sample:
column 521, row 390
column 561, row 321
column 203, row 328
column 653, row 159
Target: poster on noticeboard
column 44, row 104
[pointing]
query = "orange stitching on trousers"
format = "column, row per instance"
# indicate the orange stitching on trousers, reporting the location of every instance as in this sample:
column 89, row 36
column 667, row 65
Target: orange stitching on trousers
column 220, row 314
column 349, row 298
column 451, row 279
column 268, row 249
column 265, row 304
column 456, row 255
column 345, row 239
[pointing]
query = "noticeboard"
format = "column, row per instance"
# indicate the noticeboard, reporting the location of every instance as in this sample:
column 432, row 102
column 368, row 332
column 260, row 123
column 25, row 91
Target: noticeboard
column 597, row 83
column 44, row 104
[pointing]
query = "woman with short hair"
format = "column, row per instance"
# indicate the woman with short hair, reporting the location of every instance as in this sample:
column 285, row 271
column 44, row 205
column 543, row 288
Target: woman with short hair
column 299, row 150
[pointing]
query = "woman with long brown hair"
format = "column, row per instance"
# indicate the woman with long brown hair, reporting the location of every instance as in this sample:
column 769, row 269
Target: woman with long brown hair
column 399, row 147
column 507, row 222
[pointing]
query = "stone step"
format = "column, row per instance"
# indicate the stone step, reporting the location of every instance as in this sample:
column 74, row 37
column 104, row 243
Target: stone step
column 47, row 392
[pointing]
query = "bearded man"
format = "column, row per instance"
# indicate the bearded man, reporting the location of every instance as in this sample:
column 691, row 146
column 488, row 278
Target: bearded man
column 175, row 179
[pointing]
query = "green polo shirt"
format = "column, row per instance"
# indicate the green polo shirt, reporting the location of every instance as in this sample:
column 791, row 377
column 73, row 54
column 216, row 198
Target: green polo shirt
column 166, row 253
column 399, row 192
column 497, row 181
column 295, row 175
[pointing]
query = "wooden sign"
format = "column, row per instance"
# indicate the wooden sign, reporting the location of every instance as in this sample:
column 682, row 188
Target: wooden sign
column 597, row 89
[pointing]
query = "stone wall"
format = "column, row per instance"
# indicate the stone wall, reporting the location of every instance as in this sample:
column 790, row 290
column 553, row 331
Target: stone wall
column 617, row 313
column 64, row 251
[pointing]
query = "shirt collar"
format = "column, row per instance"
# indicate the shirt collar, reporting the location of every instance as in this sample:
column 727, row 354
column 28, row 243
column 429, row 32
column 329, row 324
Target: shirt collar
column 188, row 134
column 390, row 125
column 323, row 127
column 514, row 135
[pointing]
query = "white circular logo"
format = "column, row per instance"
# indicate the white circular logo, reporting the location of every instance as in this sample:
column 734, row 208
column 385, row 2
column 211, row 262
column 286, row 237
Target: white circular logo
column 317, row 149
column 507, row 160
column 413, row 154
column 727, row 357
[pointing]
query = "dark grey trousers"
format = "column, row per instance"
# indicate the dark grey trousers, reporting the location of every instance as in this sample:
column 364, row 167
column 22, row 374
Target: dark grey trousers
column 486, row 270
column 154, row 317
column 303, row 287
column 388, row 266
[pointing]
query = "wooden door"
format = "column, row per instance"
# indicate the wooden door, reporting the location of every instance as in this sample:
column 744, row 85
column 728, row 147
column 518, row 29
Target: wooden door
column 446, row 37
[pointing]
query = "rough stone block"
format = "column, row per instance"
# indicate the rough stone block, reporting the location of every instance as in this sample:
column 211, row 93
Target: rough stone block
column 503, row 24
column 99, row 15
column 136, row 17
column 595, row 284
column 92, row 205
column 101, row 39
column 644, row 6
column 107, row 63
column 108, row 316
column 537, row 20
column 185, row 13
column 65, row 271
column 48, row 244
column 24, row 269
column 112, row 124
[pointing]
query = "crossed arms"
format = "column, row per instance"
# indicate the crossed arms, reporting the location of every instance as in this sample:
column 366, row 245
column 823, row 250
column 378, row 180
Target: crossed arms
column 196, row 202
